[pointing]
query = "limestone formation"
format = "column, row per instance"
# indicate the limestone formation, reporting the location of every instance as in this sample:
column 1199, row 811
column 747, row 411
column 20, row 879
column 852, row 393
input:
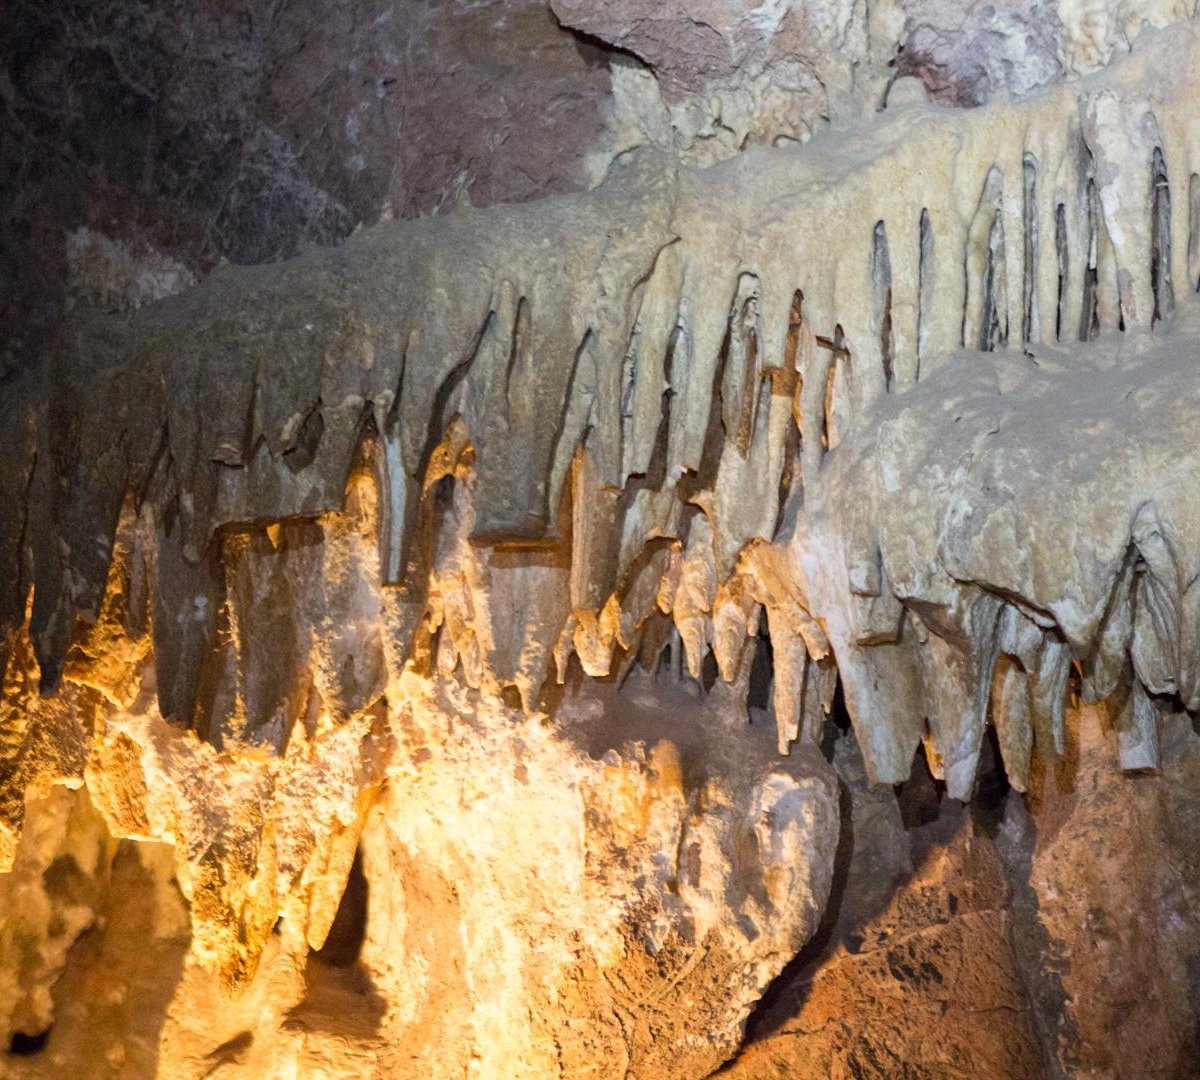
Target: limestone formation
column 436, row 634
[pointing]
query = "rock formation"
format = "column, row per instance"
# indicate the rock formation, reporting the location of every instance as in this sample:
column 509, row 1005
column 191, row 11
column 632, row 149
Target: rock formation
column 418, row 654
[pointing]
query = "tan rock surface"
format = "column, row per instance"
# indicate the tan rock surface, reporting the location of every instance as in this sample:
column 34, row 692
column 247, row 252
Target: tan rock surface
column 410, row 599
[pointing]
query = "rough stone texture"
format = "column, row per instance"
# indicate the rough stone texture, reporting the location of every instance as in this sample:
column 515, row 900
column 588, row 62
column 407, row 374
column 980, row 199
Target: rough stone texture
column 1115, row 877
column 246, row 130
column 408, row 598
column 966, row 53
column 916, row 974
column 609, row 888
column 1053, row 936
column 526, row 908
column 898, row 542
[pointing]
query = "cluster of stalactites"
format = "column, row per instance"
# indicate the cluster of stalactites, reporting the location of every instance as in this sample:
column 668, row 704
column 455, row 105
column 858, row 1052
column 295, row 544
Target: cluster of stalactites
column 603, row 421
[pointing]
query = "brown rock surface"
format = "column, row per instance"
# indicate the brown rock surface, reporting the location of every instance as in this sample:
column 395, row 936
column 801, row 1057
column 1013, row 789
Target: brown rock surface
column 1050, row 937
column 1116, row 882
column 379, row 628
column 915, row 973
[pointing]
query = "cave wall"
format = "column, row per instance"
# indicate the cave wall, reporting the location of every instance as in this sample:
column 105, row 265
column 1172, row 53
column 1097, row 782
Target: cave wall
column 188, row 134
column 722, row 526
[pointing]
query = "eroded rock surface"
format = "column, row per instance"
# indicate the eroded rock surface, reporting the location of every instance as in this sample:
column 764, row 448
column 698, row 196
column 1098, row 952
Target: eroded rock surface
column 244, row 131
column 518, row 906
column 1042, row 935
column 918, row 971
column 439, row 631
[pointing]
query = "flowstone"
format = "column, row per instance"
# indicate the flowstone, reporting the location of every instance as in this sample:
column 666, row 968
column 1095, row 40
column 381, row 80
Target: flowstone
column 452, row 562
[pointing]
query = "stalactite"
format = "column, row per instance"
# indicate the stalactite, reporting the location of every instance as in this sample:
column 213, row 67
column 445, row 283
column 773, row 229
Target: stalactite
column 638, row 419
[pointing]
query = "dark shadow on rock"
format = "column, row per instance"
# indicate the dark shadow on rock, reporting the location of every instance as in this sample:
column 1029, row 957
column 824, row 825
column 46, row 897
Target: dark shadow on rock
column 892, row 904
column 343, row 946
column 340, row 996
column 22, row 1045
column 1015, row 838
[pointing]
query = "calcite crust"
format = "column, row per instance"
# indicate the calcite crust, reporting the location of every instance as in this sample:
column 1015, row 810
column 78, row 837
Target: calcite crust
column 434, row 570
